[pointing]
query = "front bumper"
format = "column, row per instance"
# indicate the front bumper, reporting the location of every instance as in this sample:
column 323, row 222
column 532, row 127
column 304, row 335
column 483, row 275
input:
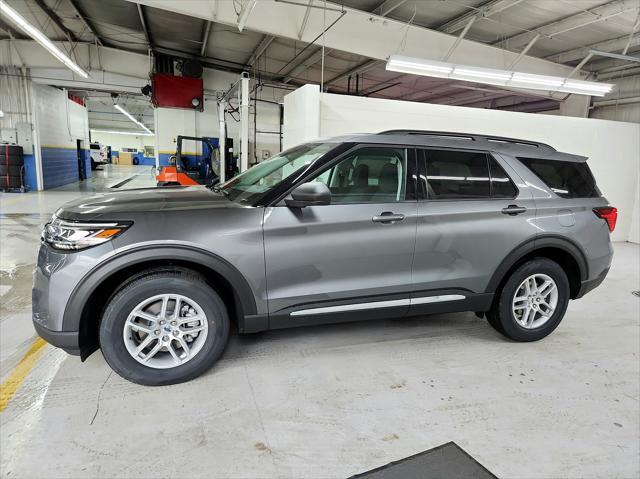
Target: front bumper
column 55, row 279
column 67, row 340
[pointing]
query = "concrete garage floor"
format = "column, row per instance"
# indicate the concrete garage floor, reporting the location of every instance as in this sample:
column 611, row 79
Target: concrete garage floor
column 329, row 401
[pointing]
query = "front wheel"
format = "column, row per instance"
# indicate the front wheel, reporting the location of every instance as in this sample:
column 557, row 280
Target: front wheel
column 532, row 302
column 164, row 327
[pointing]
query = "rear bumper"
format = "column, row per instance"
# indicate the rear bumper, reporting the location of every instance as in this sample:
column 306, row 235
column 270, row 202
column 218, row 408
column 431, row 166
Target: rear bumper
column 591, row 284
column 67, row 340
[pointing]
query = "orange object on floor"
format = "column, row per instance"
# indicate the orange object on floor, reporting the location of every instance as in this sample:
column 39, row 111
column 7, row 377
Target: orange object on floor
column 171, row 175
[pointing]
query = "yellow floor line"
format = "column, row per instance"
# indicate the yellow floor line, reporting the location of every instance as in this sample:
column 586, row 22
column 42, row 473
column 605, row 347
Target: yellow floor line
column 9, row 387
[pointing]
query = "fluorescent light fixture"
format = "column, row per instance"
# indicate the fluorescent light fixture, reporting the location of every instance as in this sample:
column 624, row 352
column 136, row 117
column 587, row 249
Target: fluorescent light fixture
column 492, row 76
column 115, row 132
column 245, row 11
column 415, row 66
column 41, row 38
column 128, row 115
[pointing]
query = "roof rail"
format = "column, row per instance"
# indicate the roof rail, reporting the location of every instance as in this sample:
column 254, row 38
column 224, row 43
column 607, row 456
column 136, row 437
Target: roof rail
column 468, row 136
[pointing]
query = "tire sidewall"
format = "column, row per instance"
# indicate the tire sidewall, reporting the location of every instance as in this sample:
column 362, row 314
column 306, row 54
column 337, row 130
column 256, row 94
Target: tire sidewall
column 507, row 320
column 115, row 316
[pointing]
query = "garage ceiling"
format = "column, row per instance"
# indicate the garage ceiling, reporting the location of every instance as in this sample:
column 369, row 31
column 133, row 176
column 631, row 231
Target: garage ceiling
column 567, row 29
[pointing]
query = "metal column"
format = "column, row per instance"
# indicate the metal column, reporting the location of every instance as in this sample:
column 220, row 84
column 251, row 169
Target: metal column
column 222, row 141
column 244, row 122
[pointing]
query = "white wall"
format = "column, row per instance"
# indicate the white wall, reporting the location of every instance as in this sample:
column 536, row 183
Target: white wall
column 60, row 120
column 613, row 147
column 301, row 116
column 58, row 123
column 118, row 141
column 634, row 230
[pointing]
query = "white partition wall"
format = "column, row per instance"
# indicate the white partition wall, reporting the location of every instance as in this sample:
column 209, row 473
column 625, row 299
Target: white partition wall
column 613, row 147
column 301, row 115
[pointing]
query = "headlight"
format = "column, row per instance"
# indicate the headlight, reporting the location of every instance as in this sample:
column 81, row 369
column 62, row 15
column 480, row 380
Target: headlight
column 74, row 236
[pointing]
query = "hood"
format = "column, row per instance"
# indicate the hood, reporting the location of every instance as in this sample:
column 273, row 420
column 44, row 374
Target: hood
column 116, row 206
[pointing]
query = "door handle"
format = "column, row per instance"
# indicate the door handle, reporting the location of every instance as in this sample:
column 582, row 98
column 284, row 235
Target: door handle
column 513, row 210
column 387, row 217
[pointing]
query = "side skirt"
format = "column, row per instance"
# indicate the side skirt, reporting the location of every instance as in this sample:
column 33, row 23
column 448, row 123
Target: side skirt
column 369, row 308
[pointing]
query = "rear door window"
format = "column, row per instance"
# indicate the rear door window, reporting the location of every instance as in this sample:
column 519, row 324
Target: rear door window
column 457, row 175
column 565, row 178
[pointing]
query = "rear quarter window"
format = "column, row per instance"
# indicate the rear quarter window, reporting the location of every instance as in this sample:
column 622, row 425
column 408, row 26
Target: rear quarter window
column 565, row 178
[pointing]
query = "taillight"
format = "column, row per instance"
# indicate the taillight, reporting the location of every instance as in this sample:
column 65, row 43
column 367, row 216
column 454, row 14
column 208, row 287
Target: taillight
column 609, row 214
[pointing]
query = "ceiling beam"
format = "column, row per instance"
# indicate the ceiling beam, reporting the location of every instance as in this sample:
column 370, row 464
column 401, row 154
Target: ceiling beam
column 143, row 24
column 616, row 56
column 260, row 49
column 12, row 32
column 305, row 19
column 430, row 92
column 305, row 64
column 57, row 21
column 81, row 15
column 485, row 10
column 634, row 29
column 615, row 44
column 357, row 70
column 461, row 22
column 572, row 22
column 205, row 38
column 619, row 72
column 353, row 31
column 388, row 6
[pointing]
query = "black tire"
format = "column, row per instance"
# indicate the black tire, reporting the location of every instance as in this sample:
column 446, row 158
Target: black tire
column 14, row 170
column 501, row 316
column 10, row 181
column 11, row 149
column 145, row 285
column 12, row 160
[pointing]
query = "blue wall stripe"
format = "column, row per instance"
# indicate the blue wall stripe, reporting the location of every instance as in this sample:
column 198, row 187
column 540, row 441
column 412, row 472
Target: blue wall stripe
column 86, row 165
column 30, row 176
column 59, row 166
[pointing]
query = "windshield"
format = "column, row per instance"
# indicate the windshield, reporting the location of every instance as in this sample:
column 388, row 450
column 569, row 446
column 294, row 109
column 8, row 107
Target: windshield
column 264, row 176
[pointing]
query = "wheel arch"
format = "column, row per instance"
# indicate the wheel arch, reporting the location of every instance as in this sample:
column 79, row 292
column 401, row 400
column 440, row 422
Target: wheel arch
column 565, row 252
column 88, row 300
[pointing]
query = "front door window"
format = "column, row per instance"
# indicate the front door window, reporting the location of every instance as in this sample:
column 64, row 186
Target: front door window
column 369, row 175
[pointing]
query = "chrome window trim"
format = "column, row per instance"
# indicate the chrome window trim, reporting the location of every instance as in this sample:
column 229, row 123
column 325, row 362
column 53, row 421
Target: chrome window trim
column 377, row 304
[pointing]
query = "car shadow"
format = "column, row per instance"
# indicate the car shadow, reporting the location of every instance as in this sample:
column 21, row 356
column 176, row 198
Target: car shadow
column 453, row 326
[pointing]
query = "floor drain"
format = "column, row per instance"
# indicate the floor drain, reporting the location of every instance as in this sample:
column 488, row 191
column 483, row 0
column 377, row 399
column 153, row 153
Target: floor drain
column 636, row 293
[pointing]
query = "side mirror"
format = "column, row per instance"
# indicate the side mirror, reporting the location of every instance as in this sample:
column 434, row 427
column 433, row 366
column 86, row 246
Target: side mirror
column 309, row 194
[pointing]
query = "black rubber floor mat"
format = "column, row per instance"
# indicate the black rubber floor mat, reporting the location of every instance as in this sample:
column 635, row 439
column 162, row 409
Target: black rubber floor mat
column 448, row 461
column 124, row 182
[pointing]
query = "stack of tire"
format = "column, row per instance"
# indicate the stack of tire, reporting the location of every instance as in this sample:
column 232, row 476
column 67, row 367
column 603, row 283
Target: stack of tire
column 11, row 167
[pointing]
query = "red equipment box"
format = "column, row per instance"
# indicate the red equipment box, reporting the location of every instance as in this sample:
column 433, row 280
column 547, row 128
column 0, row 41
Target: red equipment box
column 171, row 91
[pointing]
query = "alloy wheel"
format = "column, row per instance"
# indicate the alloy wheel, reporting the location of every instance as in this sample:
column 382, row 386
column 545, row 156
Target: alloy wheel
column 535, row 301
column 165, row 331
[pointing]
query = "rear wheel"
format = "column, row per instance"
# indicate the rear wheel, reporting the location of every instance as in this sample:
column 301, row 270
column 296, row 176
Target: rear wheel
column 532, row 302
column 164, row 327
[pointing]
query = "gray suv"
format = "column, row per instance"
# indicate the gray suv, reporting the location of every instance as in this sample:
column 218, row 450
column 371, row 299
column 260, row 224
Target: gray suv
column 400, row 223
